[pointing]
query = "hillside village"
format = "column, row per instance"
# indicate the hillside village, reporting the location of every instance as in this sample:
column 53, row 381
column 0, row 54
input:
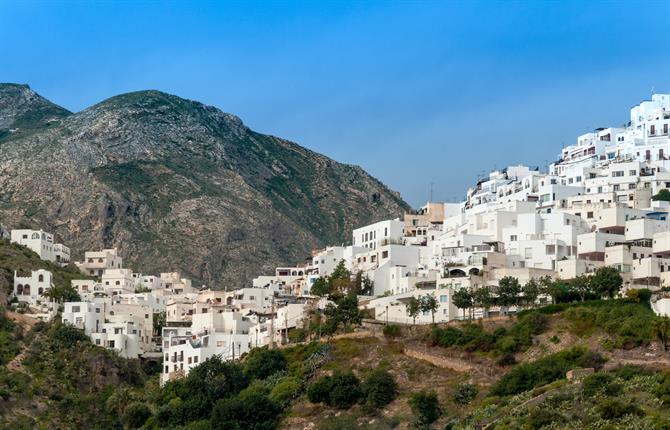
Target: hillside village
column 522, row 237
column 565, row 273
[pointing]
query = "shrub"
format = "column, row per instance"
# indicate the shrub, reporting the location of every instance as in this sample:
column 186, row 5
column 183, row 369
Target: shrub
column 425, row 407
column 629, row 371
column 253, row 412
column 345, row 390
column 319, row 390
column 663, row 390
column 610, row 409
column 600, row 383
column 542, row 417
column 507, row 360
column 379, row 388
column 545, row 370
column 66, row 336
column 263, row 362
column 135, row 415
column 297, row 335
column 465, row 393
column 391, row 330
column 285, row 391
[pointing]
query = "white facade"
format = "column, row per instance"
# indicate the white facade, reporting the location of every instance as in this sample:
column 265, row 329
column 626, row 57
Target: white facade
column 31, row 289
column 43, row 244
column 96, row 262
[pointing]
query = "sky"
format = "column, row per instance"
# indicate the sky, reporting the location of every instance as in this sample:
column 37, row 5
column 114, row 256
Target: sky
column 415, row 92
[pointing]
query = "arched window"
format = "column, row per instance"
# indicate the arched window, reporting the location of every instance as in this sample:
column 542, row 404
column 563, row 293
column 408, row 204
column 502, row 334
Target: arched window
column 26, row 290
column 35, row 236
column 19, row 290
column 40, row 290
column 40, row 278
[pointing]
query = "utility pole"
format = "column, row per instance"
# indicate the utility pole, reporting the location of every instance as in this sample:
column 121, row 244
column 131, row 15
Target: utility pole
column 286, row 326
column 272, row 325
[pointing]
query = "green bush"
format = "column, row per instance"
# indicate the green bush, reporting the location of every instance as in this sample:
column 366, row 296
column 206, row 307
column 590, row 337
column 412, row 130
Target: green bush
column 379, row 388
column 263, row 362
column 465, row 393
column 627, row 324
column 425, row 406
column 542, row 417
column 506, row 360
column 545, row 370
column 319, row 390
column 391, row 330
column 611, row 409
column 345, row 390
column 298, row 335
column 135, row 415
column 285, row 391
column 600, row 383
column 252, row 412
column 663, row 389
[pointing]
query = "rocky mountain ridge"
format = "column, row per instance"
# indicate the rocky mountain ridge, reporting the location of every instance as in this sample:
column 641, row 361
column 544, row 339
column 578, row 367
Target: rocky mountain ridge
column 176, row 184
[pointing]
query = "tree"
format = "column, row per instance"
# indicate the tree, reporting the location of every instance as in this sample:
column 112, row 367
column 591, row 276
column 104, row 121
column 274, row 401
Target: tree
column 582, row 286
column 531, row 291
column 320, row 287
column 663, row 195
column 556, row 289
column 606, row 282
column 62, row 294
column 340, row 279
column 368, row 287
column 379, row 388
column 254, row 411
column 413, row 308
column 344, row 310
column 508, row 292
column 135, row 415
column 462, row 299
column 429, row 304
column 662, row 330
column 483, row 298
column 263, row 362
column 425, row 407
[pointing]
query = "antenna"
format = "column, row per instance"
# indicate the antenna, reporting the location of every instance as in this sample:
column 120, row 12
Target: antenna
column 431, row 191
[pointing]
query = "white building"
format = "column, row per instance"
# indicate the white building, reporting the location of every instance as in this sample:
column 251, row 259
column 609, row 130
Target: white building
column 31, row 289
column 43, row 244
column 96, row 262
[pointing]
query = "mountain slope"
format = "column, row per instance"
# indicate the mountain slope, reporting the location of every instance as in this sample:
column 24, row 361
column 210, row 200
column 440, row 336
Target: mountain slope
column 177, row 184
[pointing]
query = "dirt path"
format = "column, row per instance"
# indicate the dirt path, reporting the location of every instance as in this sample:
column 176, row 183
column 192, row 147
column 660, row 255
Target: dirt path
column 451, row 363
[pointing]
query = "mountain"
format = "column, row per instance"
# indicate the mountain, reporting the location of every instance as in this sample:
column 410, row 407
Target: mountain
column 176, row 185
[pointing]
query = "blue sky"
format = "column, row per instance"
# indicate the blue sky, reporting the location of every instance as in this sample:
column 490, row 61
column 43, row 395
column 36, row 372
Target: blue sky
column 414, row 92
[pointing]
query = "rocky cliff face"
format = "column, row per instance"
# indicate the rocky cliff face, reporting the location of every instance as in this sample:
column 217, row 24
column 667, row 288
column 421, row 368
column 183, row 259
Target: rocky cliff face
column 176, row 184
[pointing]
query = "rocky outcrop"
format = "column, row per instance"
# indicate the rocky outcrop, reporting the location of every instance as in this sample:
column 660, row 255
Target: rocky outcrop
column 176, row 184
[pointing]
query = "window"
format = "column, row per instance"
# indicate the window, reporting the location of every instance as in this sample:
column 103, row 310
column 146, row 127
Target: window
column 631, row 186
column 617, row 174
column 589, row 214
column 528, row 253
column 97, row 341
column 75, row 309
column 617, row 187
column 633, row 173
column 110, row 343
column 195, row 359
column 444, row 299
column 652, row 130
column 513, row 238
